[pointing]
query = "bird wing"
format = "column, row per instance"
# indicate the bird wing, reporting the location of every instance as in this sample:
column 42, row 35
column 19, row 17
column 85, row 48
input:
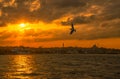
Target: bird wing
column 71, row 31
column 72, row 26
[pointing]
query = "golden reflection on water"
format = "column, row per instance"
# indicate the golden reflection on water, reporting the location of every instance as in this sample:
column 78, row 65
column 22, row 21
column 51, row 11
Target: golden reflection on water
column 21, row 66
column 23, row 63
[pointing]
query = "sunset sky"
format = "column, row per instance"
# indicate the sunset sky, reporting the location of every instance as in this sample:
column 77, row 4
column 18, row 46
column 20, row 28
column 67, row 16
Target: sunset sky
column 46, row 23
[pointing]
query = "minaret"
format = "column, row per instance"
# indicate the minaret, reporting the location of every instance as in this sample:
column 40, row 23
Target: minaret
column 63, row 45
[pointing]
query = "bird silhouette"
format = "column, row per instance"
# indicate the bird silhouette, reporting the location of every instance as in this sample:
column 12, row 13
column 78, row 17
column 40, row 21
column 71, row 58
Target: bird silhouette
column 72, row 29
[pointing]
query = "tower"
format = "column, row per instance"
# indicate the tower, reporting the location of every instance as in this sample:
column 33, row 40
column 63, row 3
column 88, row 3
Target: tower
column 63, row 45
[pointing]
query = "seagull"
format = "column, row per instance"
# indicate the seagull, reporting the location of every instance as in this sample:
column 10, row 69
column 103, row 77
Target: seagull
column 72, row 29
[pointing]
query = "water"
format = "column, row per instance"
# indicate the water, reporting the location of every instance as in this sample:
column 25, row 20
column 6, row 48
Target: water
column 59, row 66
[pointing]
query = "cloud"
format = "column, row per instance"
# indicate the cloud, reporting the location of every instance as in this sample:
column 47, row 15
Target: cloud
column 102, row 16
column 4, row 35
column 50, row 10
column 79, row 20
column 66, row 3
column 37, row 10
column 2, row 24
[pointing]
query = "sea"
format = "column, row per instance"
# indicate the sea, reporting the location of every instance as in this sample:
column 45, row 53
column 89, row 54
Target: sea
column 60, row 66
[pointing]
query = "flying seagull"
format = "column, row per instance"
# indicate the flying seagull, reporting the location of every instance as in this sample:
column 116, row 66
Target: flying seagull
column 72, row 29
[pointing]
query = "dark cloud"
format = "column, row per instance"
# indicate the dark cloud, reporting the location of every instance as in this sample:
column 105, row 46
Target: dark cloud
column 37, row 10
column 79, row 20
column 50, row 10
column 2, row 24
column 66, row 3
column 111, row 10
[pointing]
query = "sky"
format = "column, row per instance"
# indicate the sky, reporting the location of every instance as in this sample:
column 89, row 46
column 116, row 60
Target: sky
column 46, row 23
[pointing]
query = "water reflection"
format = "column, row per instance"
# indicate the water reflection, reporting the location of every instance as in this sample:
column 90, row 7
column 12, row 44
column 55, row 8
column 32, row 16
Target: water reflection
column 58, row 66
column 21, row 66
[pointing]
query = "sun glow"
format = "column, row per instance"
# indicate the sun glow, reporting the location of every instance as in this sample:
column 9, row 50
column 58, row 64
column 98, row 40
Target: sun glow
column 22, row 25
